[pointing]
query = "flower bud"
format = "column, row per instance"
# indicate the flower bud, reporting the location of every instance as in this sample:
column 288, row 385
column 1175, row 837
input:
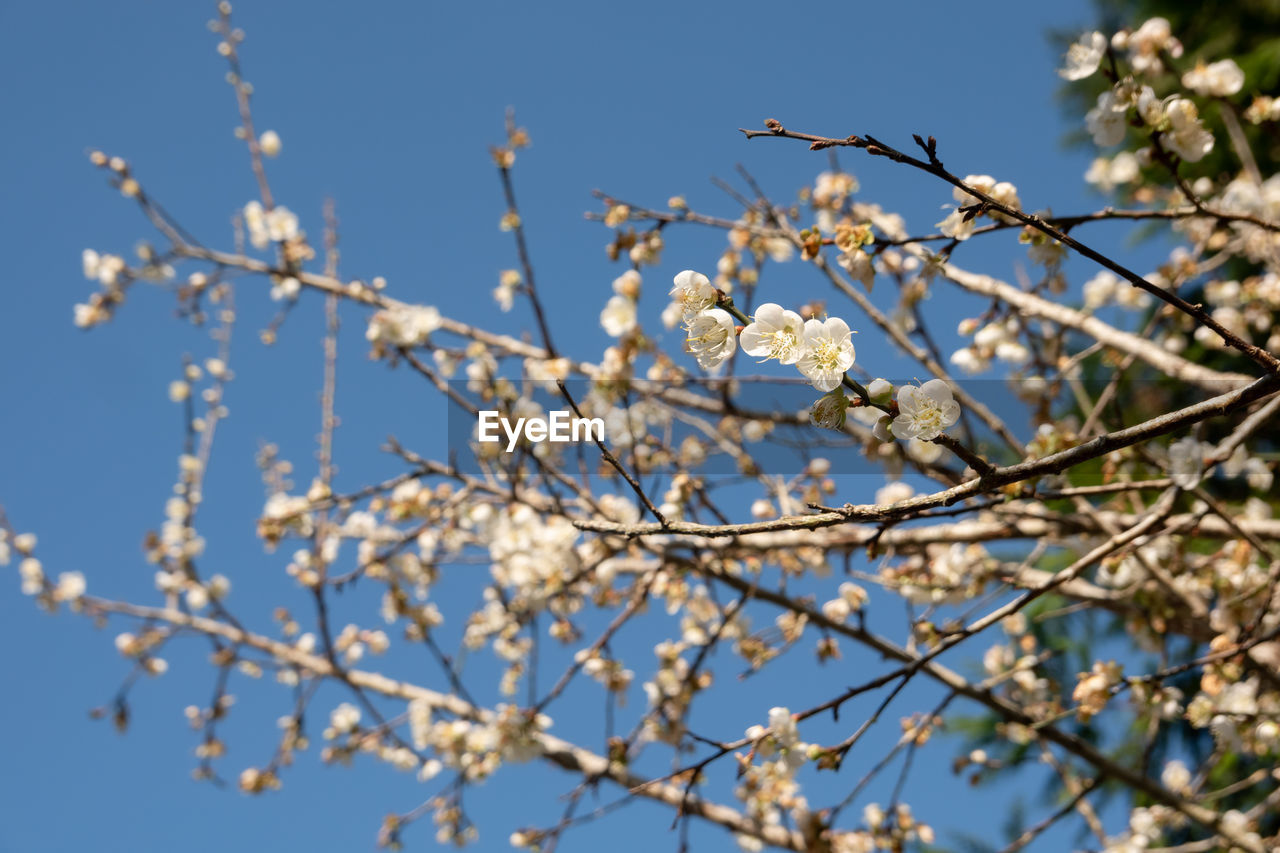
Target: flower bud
column 269, row 143
column 880, row 391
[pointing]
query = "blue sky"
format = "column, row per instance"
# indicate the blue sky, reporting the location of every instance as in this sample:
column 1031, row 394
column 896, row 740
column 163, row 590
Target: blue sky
column 389, row 109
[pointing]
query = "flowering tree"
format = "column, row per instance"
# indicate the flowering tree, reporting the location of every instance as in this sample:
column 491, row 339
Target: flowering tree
column 1044, row 501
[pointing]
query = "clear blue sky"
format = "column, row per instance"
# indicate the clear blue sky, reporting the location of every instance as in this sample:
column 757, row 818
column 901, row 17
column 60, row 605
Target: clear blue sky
column 389, row 108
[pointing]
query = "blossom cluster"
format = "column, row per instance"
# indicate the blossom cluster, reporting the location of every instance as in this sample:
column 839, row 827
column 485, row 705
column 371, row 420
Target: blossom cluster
column 769, row 788
column 821, row 350
column 1175, row 118
column 563, row 571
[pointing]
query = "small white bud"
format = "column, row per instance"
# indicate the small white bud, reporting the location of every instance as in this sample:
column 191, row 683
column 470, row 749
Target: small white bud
column 269, row 143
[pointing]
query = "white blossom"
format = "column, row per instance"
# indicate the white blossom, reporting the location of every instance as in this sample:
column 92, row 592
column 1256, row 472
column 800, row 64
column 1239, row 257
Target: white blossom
column 1107, row 120
column 858, row 264
column 1186, row 137
column 619, row 316
column 32, row 573
column 970, row 360
column 693, row 293
column 1175, row 776
column 1013, row 352
column 269, row 143
column 628, row 284
column 960, row 223
column 711, row 337
column 1186, row 462
column 894, row 493
column 774, row 333
column 1084, row 56
column 286, row 289
column 828, row 352
column 266, row 226
column 70, row 586
column 1258, row 475
column 1220, row 78
column 343, row 719
column 1101, row 289
column 1147, row 42
column 830, row 410
column 87, row 316
column 831, row 188
column 1149, row 108
column 672, row 315
column 405, row 325
column 926, row 411
column 1106, row 174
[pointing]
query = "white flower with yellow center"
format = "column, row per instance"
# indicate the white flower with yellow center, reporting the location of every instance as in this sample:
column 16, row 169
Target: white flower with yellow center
column 1186, row 137
column 828, row 352
column 618, row 316
column 830, row 411
column 1084, row 56
column 711, row 337
column 925, row 412
column 693, row 293
column 1147, row 43
column 1222, row 78
column 776, row 333
column 1108, row 120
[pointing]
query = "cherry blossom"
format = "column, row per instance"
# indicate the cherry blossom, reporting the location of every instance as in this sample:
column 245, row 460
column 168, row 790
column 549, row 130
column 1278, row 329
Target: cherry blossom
column 1186, row 462
column 1083, row 56
column 693, row 293
column 1106, row 174
column 1220, row 79
column 711, row 337
column 408, row 325
column 828, row 352
column 775, row 333
column 618, row 316
column 1147, row 43
column 829, row 411
column 1107, row 120
column 1072, row 493
column 926, row 411
column 1186, row 136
